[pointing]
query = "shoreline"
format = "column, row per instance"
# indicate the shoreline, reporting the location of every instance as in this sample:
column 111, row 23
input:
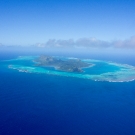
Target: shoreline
column 123, row 75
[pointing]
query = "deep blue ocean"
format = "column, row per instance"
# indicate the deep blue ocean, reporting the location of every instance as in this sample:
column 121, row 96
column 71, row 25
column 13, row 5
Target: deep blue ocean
column 41, row 104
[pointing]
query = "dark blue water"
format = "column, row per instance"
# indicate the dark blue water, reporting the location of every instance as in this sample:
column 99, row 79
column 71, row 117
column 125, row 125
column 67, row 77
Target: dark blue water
column 32, row 104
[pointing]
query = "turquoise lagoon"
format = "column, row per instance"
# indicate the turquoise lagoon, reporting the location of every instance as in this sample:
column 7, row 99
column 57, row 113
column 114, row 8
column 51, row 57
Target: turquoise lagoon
column 99, row 71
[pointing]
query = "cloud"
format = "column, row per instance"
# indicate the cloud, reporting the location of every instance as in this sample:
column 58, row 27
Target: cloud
column 129, row 43
column 87, row 43
column 1, row 44
column 57, row 43
column 91, row 43
column 70, row 43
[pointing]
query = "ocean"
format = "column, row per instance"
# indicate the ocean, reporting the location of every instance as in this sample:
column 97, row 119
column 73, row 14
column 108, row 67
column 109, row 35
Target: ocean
column 43, row 104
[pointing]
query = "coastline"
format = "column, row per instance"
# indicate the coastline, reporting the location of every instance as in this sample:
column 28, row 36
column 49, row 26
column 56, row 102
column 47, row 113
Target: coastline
column 125, row 74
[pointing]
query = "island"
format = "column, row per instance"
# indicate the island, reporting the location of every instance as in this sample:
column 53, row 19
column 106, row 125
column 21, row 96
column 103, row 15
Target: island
column 68, row 65
column 97, row 70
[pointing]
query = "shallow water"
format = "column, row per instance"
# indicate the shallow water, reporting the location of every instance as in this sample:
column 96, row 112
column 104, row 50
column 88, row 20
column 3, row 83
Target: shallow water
column 100, row 71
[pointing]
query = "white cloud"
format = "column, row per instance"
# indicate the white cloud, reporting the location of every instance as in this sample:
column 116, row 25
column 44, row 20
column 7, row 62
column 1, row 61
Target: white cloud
column 129, row 43
column 80, row 43
column 88, row 43
column 1, row 44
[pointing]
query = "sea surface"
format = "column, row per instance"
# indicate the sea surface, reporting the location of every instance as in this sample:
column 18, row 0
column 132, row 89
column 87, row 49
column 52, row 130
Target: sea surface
column 43, row 104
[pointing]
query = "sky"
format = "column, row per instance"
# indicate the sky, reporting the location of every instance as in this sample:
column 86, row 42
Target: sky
column 68, row 23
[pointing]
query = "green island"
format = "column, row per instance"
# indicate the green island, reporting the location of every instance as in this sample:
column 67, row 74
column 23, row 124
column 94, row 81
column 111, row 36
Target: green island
column 68, row 65
column 97, row 70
